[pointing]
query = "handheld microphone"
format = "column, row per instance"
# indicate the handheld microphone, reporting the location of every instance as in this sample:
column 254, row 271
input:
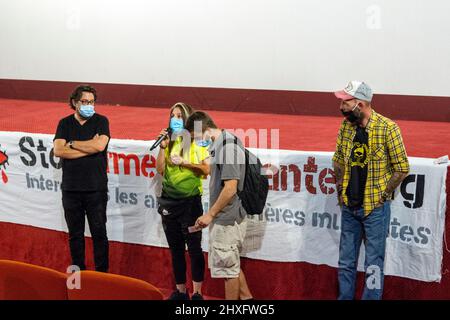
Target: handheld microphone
column 161, row 138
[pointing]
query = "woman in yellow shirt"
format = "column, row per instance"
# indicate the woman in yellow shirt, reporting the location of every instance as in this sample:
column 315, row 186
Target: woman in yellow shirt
column 182, row 163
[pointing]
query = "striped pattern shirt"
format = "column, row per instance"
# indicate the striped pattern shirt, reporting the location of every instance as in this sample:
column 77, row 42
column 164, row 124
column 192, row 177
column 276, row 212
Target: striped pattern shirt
column 387, row 155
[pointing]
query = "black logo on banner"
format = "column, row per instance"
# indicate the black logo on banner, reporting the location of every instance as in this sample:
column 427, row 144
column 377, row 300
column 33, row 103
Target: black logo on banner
column 413, row 200
column 30, row 148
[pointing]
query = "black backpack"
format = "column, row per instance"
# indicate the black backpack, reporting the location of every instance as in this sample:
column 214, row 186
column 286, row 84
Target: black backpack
column 256, row 185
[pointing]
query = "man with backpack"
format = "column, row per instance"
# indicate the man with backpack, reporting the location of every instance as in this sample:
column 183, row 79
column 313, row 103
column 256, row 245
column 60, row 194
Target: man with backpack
column 226, row 216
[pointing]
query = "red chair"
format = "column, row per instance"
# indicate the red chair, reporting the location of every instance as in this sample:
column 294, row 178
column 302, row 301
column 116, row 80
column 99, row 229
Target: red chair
column 23, row 281
column 106, row 286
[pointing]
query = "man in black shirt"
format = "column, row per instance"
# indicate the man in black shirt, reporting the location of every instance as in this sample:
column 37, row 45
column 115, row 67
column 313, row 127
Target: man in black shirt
column 81, row 140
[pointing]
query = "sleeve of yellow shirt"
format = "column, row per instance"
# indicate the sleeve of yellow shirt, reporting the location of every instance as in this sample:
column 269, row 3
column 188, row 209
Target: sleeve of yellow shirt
column 338, row 155
column 202, row 153
column 396, row 150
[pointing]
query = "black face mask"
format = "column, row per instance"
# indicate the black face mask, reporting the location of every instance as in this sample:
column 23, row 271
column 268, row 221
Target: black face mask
column 351, row 116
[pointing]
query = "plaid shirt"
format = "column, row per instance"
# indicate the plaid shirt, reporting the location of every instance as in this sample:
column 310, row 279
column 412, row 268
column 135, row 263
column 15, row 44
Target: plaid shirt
column 386, row 155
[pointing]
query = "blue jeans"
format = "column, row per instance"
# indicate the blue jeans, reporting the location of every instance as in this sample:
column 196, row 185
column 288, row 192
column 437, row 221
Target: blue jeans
column 374, row 228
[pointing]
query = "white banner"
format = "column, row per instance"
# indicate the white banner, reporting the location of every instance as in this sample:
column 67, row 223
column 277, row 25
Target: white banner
column 301, row 221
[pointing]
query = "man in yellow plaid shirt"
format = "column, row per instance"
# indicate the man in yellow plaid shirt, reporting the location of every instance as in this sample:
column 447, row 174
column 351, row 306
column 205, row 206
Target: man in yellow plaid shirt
column 370, row 162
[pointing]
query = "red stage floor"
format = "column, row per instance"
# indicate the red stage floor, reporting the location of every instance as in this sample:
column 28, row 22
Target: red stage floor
column 286, row 280
column 309, row 133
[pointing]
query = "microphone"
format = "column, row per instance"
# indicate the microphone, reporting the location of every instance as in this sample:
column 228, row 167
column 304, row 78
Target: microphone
column 161, row 138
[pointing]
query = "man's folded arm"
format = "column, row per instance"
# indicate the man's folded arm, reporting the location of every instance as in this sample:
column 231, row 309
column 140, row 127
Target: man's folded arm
column 62, row 150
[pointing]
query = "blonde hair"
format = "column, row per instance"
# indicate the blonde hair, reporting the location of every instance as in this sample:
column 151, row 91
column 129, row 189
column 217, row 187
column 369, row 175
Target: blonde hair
column 186, row 111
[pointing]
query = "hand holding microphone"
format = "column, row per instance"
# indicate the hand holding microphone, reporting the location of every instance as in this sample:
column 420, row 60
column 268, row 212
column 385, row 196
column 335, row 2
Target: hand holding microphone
column 163, row 139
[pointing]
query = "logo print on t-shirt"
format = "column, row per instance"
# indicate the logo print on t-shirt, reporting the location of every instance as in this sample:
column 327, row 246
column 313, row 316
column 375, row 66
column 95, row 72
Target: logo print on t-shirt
column 359, row 155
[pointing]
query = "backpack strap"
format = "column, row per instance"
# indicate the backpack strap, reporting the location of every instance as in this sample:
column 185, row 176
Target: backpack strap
column 224, row 142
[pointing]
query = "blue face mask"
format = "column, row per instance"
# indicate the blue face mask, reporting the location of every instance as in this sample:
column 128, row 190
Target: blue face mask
column 176, row 124
column 87, row 111
column 203, row 143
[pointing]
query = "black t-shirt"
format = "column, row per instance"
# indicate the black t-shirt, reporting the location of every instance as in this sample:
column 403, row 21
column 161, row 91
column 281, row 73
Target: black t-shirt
column 358, row 168
column 86, row 173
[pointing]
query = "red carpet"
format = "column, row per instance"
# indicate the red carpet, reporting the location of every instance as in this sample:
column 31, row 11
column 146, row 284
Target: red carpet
column 281, row 280
column 309, row 133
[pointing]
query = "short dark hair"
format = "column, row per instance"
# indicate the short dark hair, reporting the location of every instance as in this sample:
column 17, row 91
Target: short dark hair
column 206, row 120
column 78, row 93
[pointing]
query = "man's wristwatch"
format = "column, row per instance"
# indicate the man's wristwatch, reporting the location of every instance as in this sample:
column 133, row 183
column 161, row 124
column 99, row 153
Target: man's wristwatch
column 70, row 144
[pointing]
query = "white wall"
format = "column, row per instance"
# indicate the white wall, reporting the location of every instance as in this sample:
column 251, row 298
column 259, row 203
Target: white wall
column 397, row 46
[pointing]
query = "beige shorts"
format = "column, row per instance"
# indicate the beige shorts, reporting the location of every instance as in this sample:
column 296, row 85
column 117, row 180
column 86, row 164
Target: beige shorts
column 225, row 245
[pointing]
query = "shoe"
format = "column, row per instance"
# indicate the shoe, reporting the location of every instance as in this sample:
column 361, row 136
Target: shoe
column 177, row 295
column 197, row 296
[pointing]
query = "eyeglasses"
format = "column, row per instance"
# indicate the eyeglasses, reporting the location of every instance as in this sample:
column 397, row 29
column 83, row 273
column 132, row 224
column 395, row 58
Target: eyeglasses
column 85, row 102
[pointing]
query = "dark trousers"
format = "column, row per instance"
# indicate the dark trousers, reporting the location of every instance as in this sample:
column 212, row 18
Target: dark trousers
column 77, row 205
column 177, row 234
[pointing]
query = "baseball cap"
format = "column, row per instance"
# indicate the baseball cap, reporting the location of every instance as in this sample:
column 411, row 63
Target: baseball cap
column 355, row 90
